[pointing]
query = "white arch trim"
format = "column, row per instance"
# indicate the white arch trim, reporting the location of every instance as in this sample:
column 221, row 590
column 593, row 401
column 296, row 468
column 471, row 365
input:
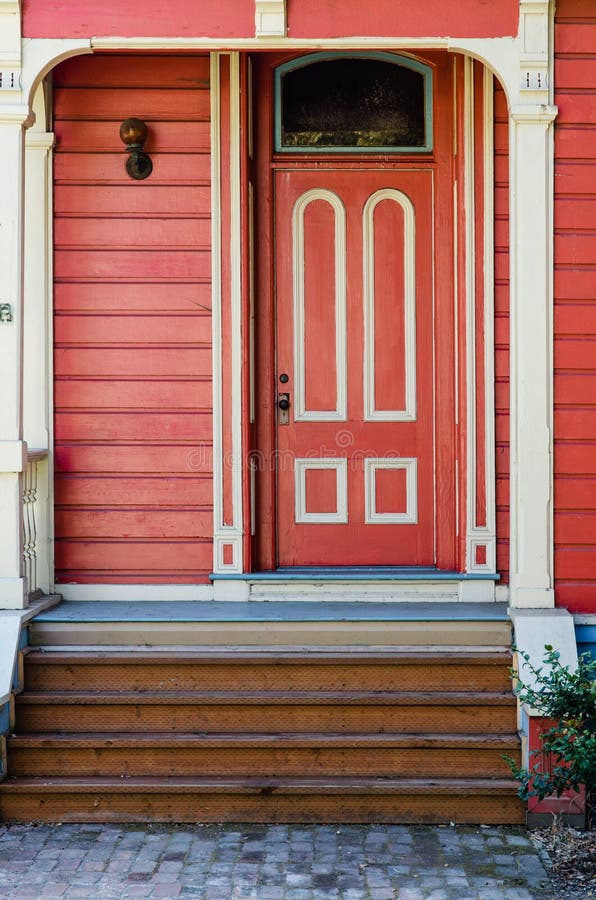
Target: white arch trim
column 41, row 55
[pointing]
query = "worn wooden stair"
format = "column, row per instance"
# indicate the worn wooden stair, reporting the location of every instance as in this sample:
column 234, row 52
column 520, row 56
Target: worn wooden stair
column 294, row 734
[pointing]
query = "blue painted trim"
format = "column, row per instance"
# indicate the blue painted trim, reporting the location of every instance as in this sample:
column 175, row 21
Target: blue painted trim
column 587, row 648
column 355, row 573
column 187, row 611
column 394, row 58
column 586, row 633
column 585, row 636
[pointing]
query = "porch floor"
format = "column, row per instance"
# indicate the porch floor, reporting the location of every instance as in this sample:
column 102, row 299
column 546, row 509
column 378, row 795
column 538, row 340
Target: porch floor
column 271, row 611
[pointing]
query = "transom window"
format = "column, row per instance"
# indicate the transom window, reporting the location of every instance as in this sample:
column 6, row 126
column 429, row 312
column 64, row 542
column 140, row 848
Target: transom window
column 359, row 103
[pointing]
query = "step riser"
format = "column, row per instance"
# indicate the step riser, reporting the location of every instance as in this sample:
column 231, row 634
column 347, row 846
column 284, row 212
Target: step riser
column 259, row 634
column 270, row 808
column 267, row 719
column 409, row 763
column 238, row 677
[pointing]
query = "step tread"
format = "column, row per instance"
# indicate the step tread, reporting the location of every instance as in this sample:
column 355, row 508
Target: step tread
column 199, row 612
column 252, row 785
column 240, row 698
column 116, row 740
column 266, row 656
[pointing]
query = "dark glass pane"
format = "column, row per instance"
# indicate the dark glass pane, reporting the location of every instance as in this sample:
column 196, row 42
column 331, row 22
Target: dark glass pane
column 352, row 103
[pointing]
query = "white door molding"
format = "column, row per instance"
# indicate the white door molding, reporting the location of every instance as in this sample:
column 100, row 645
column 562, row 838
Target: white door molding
column 227, row 459
column 301, row 412
column 481, row 536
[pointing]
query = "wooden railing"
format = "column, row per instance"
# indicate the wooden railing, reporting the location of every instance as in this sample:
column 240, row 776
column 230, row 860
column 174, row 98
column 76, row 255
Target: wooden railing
column 35, row 520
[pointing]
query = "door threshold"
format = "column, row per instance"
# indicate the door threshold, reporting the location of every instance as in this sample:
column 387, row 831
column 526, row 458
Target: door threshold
column 359, row 583
column 355, row 573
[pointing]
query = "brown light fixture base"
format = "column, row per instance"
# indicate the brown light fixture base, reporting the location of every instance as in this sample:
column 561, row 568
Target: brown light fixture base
column 133, row 133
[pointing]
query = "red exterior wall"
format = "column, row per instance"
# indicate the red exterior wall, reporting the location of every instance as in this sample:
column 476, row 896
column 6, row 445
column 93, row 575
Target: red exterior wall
column 575, row 305
column 235, row 18
column 132, row 359
column 338, row 18
column 124, row 18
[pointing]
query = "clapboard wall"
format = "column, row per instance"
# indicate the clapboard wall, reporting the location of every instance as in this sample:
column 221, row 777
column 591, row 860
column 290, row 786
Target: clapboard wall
column 132, row 326
column 575, row 305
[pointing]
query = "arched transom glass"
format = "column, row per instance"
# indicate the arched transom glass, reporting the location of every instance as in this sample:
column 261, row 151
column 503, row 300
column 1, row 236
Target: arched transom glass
column 359, row 103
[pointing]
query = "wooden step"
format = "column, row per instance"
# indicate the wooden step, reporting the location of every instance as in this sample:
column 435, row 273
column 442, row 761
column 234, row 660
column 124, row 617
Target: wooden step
column 274, row 734
column 281, row 754
column 240, row 799
column 302, row 623
column 400, row 669
column 297, row 633
column 456, row 712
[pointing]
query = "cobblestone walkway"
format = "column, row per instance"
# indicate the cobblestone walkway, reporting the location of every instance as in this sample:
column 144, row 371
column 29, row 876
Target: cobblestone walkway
column 275, row 862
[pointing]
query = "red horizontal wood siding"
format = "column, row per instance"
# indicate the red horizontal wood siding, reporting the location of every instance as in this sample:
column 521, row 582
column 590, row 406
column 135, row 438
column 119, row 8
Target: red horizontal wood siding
column 235, row 18
column 575, row 305
column 124, row 18
column 502, row 329
column 132, row 324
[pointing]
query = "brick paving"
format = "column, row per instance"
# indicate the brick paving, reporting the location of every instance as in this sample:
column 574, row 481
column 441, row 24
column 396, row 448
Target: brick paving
column 269, row 862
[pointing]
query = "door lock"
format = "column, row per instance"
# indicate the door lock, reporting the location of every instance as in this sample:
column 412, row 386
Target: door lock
column 283, row 404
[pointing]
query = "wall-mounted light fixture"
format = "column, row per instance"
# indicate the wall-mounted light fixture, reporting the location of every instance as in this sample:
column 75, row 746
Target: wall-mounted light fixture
column 133, row 133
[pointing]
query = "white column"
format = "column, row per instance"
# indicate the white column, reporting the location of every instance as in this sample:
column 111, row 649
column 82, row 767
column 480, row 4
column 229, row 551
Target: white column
column 37, row 330
column 524, row 66
column 13, row 450
column 37, row 289
column 531, row 478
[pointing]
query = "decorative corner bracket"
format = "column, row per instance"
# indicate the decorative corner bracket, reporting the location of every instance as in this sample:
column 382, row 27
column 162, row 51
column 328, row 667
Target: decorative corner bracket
column 10, row 80
column 534, row 40
column 10, row 39
column 270, row 18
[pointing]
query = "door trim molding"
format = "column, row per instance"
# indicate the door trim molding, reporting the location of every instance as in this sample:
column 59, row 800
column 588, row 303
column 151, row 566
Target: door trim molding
column 410, row 514
column 480, row 535
column 340, row 467
column 302, row 414
column 371, row 414
column 228, row 531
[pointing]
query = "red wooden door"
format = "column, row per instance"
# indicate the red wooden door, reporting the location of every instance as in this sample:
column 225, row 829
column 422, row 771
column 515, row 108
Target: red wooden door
column 354, row 338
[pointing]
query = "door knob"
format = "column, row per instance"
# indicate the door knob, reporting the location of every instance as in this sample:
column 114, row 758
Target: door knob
column 283, row 404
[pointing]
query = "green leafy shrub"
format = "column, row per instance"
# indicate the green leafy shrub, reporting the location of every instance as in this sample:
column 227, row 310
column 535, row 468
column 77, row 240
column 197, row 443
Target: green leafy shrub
column 567, row 759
